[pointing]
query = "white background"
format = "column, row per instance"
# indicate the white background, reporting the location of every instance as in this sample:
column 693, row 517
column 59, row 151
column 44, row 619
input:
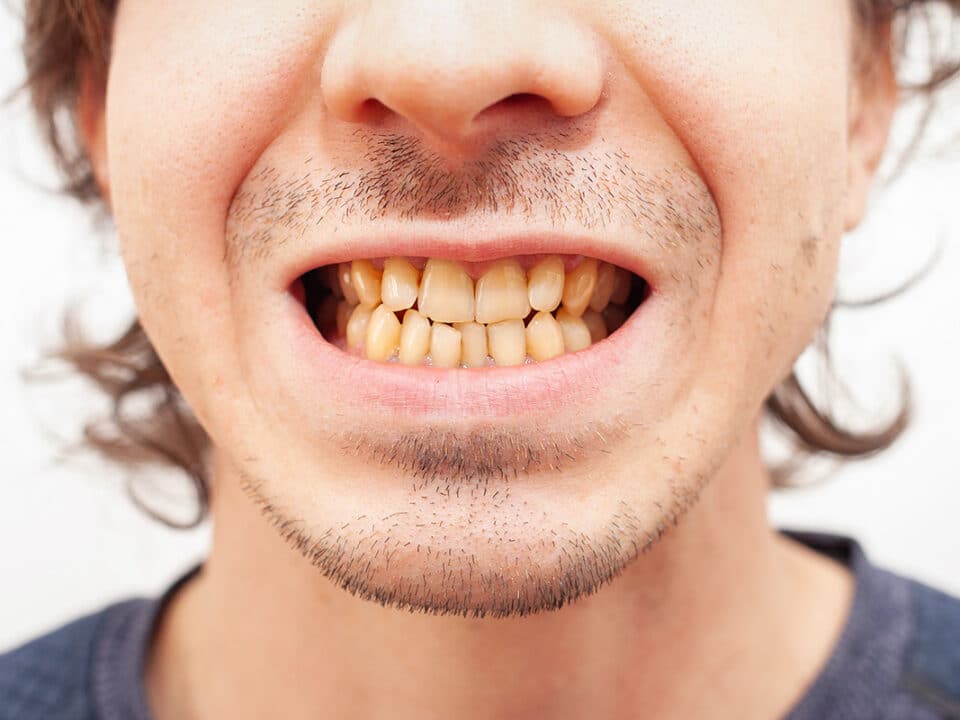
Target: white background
column 71, row 541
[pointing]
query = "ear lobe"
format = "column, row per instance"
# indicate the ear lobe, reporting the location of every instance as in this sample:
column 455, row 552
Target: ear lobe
column 91, row 124
column 873, row 100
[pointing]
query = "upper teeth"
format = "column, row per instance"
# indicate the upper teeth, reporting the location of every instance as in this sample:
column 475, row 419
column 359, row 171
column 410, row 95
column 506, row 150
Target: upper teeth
column 475, row 324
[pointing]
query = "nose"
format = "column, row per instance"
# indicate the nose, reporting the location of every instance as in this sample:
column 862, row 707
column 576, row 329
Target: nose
column 439, row 64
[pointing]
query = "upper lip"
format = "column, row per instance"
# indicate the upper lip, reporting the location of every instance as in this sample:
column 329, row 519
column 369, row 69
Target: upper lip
column 467, row 246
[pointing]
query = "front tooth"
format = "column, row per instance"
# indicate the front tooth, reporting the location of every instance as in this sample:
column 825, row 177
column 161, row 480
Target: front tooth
column 621, row 287
column 502, row 293
column 578, row 286
column 446, row 292
column 399, row 284
column 357, row 326
column 606, row 278
column 544, row 337
column 474, row 344
column 507, row 341
column 366, row 281
column 414, row 338
column 596, row 324
column 444, row 346
column 576, row 334
column 346, row 283
column 546, row 284
column 383, row 334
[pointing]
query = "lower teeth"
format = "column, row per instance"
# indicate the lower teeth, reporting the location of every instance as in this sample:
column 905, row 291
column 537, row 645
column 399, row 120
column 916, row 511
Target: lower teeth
column 438, row 316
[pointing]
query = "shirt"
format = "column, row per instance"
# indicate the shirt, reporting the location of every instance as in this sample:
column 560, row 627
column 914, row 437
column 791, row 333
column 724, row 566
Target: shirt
column 898, row 656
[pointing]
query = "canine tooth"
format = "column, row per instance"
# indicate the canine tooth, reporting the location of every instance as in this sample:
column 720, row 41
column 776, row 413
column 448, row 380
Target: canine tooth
column 621, row 286
column 502, row 293
column 343, row 317
column 444, row 346
column 596, row 324
column 545, row 283
column 544, row 337
column 578, row 286
column 383, row 334
column 507, row 341
column 414, row 338
column 473, row 344
column 357, row 326
column 614, row 316
column 366, row 281
column 606, row 278
column 346, row 283
column 576, row 334
column 399, row 285
column 446, row 292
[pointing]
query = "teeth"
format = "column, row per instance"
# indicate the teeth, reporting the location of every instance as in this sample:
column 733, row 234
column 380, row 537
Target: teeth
column 357, row 326
column 579, row 285
column 546, row 284
column 444, row 346
column 621, row 287
column 544, row 337
column 383, row 334
column 414, row 338
column 596, row 324
column 576, row 334
column 614, row 316
column 366, row 281
column 399, row 284
column 507, row 341
column 343, row 317
column 446, row 292
column 474, row 344
column 346, row 283
column 502, row 293
column 606, row 279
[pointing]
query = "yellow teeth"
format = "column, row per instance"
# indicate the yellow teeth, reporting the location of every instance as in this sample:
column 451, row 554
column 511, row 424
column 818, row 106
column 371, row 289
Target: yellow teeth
column 545, row 284
column 439, row 317
column 400, row 283
column 446, row 292
column 502, row 293
column 579, row 285
column 507, row 342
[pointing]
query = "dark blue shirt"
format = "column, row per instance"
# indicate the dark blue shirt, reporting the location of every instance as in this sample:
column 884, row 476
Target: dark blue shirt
column 898, row 657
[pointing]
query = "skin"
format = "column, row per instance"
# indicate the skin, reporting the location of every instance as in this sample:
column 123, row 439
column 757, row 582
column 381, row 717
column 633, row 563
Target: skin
column 747, row 118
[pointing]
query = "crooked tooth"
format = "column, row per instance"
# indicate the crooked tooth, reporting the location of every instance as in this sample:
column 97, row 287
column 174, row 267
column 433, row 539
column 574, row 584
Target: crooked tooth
column 606, row 279
column 507, row 341
column 383, row 334
column 545, row 284
column 621, row 286
column 473, row 344
column 446, row 292
column 596, row 324
column 346, row 283
column 576, row 334
column 444, row 346
column 344, row 309
column 414, row 338
column 502, row 293
column 399, row 285
column 366, row 282
column 578, row 286
column 544, row 337
column 357, row 326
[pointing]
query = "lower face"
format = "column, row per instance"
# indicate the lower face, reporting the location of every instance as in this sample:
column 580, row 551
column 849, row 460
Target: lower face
column 479, row 386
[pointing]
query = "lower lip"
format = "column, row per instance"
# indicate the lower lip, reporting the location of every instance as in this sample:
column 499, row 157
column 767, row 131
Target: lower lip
column 572, row 379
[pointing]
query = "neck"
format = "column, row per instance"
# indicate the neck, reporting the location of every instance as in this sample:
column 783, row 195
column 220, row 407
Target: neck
column 723, row 613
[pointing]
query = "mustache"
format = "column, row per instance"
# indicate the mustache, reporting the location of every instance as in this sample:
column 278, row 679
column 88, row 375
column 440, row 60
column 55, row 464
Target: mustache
column 530, row 177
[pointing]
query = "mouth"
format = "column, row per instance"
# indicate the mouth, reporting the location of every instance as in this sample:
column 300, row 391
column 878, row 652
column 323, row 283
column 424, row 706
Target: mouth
column 450, row 314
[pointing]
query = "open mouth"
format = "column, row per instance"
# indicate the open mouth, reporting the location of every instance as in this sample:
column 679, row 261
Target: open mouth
column 436, row 312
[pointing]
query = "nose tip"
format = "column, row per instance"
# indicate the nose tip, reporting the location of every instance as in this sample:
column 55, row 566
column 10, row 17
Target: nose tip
column 441, row 65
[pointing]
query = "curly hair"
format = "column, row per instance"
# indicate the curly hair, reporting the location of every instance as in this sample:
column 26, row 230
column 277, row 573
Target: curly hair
column 65, row 38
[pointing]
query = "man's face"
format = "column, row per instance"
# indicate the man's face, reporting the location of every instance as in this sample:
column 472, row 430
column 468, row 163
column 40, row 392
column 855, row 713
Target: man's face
column 702, row 147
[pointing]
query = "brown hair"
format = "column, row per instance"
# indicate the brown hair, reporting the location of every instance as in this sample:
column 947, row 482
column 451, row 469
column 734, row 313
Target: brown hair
column 63, row 37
